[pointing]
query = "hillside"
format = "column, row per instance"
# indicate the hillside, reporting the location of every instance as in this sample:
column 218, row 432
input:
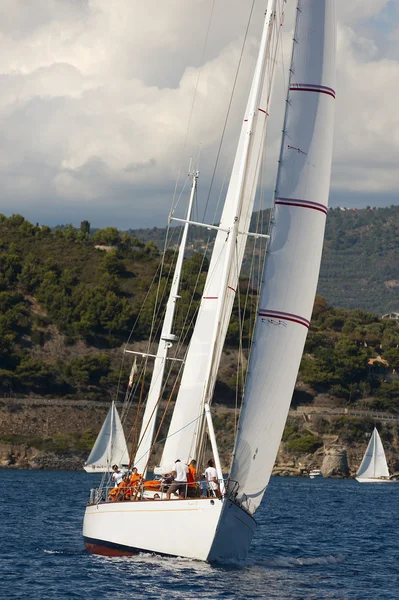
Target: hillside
column 69, row 299
column 360, row 258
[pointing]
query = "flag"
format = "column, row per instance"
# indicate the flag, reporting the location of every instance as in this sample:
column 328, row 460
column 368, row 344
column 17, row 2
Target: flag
column 133, row 373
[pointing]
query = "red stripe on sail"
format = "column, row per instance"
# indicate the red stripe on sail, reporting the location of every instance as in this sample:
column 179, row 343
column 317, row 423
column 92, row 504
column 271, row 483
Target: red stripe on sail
column 302, row 204
column 273, row 314
column 231, row 288
column 308, row 87
column 209, row 297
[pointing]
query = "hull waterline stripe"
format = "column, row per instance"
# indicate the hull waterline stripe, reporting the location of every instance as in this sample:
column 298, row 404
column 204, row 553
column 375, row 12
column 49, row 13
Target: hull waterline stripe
column 309, row 87
column 274, row 314
column 105, row 548
column 302, row 204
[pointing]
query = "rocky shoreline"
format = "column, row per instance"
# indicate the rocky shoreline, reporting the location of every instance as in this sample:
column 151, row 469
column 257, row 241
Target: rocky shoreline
column 41, row 433
column 334, row 462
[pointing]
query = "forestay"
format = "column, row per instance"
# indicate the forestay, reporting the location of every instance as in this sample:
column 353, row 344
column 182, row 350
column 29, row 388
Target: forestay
column 294, row 251
column 374, row 463
column 110, row 445
column 210, row 330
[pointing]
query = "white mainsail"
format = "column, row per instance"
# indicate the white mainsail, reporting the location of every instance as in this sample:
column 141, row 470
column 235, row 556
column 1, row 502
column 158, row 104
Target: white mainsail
column 110, row 446
column 374, row 463
column 210, row 330
column 294, row 251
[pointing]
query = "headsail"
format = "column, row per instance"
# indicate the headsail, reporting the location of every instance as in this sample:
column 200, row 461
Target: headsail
column 110, row 445
column 374, row 463
column 294, row 252
column 210, row 330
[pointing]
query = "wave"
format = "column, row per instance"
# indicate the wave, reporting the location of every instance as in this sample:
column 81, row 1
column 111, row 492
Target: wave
column 290, row 562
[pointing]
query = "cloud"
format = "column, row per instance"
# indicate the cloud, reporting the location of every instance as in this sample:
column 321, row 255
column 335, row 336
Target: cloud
column 97, row 96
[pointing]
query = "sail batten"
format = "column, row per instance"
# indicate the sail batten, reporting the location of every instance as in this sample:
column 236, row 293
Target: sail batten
column 294, row 251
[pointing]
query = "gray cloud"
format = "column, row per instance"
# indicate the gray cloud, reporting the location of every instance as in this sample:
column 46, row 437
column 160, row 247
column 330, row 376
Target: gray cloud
column 97, row 96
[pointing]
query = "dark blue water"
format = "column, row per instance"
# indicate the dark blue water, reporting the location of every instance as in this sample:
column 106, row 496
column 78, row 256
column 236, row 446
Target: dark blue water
column 315, row 540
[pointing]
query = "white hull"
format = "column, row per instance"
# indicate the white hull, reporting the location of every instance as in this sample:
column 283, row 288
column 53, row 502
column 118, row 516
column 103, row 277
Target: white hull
column 375, row 480
column 199, row 528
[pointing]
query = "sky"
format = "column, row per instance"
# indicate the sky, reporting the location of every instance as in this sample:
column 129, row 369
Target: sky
column 104, row 102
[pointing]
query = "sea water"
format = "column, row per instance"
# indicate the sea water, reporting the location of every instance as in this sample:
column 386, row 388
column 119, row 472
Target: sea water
column 316, row 539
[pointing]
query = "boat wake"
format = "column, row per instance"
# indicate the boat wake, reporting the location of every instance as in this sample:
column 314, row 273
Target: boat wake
column 291, row 562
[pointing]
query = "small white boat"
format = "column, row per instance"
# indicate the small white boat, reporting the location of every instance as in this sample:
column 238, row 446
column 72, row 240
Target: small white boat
column 374, row 467
column 315, row 474
column 110, row 446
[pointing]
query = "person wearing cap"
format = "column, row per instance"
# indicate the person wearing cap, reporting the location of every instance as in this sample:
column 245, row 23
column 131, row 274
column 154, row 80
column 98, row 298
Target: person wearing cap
column 117, row 475
column 179, row 484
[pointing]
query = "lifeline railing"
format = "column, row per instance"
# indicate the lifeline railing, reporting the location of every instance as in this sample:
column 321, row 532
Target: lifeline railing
column 152, row 491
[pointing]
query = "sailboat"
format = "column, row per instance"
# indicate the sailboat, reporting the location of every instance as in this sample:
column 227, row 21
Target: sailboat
column 374, row 467
column 110, row 446
column 224, row 525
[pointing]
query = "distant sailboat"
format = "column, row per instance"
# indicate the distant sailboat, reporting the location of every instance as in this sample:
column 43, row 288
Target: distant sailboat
column 110, row 445
column 374, row 467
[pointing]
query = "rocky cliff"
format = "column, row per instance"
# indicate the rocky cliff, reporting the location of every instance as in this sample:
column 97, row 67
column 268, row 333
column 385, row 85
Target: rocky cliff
column 58, row 434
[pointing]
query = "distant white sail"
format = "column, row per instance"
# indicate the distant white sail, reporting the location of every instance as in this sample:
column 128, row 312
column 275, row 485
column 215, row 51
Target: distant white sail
column 374, row 463
column 294, row 251
column 110, row 446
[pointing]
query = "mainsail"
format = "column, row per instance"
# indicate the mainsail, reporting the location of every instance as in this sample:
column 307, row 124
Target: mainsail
column 165, row 343
column 374, row 463
column 210, row 330
column 294, row 251
column 110, row 445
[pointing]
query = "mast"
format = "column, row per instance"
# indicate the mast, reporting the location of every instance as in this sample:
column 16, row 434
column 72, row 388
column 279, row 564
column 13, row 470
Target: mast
column 292, row 265
column 203, row 357
column 165, row 343
column 111, row 435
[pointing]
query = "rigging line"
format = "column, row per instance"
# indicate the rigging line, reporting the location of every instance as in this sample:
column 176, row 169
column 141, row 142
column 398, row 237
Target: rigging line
column 228, row 110
column 169, row 436
column 163, row 418
column 130, row 336
column 131, row 395
column 175, row 205
column 195, row 93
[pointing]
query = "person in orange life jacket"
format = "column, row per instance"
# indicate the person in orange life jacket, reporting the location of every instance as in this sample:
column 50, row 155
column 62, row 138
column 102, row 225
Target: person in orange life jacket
column 134, row 481
column 192, row 479
column 135, row 476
